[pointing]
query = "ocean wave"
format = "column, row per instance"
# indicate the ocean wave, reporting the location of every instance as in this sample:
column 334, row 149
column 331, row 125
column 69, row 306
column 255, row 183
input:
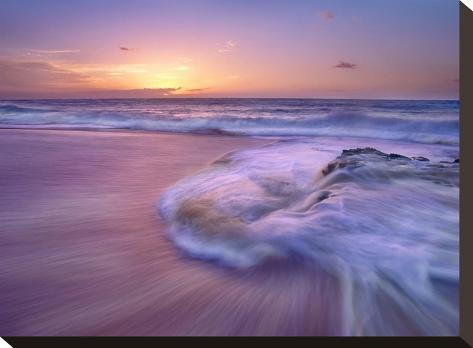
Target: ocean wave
column 13, row 109
column 385, row 225
column 423, row 129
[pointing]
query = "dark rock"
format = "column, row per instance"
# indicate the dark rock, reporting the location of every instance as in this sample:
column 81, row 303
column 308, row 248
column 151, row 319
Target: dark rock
column 350, row 159
column 384, row 167
column 355, row 158
column 364, row 151
column 397, row 156
column 371, row 151
column 420, row 158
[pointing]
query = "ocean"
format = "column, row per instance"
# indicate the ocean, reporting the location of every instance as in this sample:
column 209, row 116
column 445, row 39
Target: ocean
column 417, row 121
column 365, row 190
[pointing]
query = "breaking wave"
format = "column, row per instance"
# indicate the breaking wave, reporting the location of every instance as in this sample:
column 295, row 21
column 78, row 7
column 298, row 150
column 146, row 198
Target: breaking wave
column 423, row 122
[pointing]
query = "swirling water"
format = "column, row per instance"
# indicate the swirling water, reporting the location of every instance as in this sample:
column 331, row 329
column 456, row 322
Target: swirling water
column 385, row 226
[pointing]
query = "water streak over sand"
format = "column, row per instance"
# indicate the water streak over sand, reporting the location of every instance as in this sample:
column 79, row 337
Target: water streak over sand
column 84, row 252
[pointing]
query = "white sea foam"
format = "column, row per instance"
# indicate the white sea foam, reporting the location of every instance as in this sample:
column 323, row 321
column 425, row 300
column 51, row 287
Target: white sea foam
column 385, row 226
column 424, row 122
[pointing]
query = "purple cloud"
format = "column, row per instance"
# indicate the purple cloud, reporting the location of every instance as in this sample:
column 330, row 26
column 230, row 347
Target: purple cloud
column 123, row 48
column 345, row 65
column 327, row 15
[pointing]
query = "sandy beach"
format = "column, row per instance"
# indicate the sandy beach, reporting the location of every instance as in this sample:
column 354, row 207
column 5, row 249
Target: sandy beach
column 84, row 251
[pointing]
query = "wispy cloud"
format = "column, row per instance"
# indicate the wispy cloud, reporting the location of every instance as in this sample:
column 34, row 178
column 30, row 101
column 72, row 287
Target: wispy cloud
column 196, row 90
column 326, row 15
column 31, row 75
column 228, row 46
column 128, row 93
column 345, row 65
column 53, row 51
column 126, row 49
column 46, row 80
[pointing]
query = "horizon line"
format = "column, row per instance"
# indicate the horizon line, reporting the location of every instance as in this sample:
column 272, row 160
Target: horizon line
column 184, row 97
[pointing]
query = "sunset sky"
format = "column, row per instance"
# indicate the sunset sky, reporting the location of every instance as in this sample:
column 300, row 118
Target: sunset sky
column 406, row 49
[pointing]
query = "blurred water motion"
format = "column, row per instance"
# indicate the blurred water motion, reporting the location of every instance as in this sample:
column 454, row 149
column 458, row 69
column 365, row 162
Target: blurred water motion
column 83, row 251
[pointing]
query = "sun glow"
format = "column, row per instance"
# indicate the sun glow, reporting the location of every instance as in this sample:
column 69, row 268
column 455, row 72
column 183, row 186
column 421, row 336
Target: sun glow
column 308, row 50
column 133, row 76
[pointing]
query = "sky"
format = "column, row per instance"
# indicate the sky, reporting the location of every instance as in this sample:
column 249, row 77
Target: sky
column 406, row 49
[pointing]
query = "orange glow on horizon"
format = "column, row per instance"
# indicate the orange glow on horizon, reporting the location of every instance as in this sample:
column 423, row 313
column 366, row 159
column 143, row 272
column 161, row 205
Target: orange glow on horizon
column 232, row 50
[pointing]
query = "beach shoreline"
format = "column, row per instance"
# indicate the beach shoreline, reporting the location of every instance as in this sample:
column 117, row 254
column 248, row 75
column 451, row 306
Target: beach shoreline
column 84, row 251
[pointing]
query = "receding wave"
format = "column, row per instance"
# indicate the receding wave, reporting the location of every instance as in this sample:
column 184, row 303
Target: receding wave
column 385, row 225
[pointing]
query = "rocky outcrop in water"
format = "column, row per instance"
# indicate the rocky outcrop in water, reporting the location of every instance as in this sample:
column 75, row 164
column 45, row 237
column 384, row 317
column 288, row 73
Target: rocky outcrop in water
column 377, row 165
column 354, row 158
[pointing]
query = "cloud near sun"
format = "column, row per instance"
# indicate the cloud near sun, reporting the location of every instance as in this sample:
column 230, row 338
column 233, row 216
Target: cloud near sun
column 46, row 80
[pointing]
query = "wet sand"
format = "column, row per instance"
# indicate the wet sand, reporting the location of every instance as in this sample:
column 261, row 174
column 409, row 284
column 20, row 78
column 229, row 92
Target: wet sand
column 83, row 251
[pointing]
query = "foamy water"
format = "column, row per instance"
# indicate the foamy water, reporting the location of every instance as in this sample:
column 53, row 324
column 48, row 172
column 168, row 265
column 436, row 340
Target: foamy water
column 365, row 190
column 418, row 121
column 386, row 226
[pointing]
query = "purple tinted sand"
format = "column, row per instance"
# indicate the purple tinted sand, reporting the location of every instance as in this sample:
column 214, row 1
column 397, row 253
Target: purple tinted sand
column 83, row 251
